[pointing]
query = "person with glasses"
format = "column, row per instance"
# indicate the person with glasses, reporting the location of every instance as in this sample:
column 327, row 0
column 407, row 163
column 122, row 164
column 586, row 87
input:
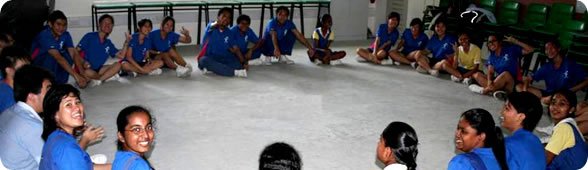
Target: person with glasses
column 503, row 67
column 567, row 148
column 135, row 137
column 559, row 73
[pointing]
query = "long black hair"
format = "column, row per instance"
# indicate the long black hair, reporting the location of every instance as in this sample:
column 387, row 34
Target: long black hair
column 122, row 120
column 482, row 121
column 51, row 106
column 403, row 140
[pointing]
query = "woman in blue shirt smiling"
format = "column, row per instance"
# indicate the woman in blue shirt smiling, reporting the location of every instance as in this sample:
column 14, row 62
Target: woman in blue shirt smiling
column 135, row 137
column 63, row 114
column 481, row 140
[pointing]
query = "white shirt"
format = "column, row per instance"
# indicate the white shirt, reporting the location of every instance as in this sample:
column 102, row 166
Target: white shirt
column 396, row 167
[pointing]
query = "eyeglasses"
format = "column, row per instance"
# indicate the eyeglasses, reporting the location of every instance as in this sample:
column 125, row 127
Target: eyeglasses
column 138, row 130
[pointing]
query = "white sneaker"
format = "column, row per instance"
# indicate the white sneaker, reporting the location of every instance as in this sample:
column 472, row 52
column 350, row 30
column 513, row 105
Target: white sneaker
column 476, row 88
column 317, row 62
column 500, row 95
column 361, row 59
column 336, row 62
column 421, row 70
column 433, row 72
column 284, row 59
column 255, row 62
column 467, row 81
column 113, row 78
column 155, row 72
column 94, row 83
column 132, row 73
column 267, row 61
column 397, row 63
column 205, row 71
column 99, row 159
column 414, row 65
column 182, row 71
column 241, row 73
column 455, row 79
column 387, row 62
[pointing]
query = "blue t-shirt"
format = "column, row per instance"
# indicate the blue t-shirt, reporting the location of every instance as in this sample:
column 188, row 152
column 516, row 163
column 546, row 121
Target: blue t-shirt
column 507, row 61
column 566, row 76
column 384, row 36
column 6, row 96
column 219, row 43
column 124, row 160
column 524, row 151
column 441, row 48
column 94, row 51
column 44, row 42
column 140, row 50
column 62, row 152
column 411, row 44
column 461, row 162
column 241, row 40
column 161, row 44
column 281, row 30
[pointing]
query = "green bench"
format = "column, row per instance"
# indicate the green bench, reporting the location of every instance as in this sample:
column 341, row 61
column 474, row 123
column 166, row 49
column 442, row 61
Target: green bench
column 101, row 8
column 190, row 5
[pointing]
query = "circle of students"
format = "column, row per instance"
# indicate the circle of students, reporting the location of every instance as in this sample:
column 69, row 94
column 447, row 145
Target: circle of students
column 42, row 116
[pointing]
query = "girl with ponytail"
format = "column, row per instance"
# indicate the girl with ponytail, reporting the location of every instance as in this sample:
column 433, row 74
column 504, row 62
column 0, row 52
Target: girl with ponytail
column 482, row 142
column 397, row 148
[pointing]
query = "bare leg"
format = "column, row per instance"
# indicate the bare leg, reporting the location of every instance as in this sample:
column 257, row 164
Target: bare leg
column 397, row 56
column 128, row 67
column 445, row 65
column 176, row 57
column 504, row 80
column 91, row 74
column 439, row 65
column 481, row 79
column 365, row 54
column 530, row 89
column 108, row 71
column 154, row 64
column 422, row 60
column 166, row 58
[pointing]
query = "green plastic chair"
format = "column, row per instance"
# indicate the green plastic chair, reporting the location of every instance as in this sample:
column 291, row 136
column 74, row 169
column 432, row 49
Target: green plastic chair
column 489, row 5
column 570, row 27
column 559, row 13
column 509, row 13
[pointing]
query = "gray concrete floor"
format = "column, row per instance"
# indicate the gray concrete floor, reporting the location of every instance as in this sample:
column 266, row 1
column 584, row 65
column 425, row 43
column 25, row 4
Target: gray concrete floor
column 333, row 115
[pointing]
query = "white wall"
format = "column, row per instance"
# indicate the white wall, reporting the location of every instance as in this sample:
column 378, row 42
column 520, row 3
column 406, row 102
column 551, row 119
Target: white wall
column 349, row 19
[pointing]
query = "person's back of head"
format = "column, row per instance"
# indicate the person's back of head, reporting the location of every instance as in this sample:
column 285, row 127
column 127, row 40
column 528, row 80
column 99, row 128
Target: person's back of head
column 29, row 79
column 402, row 139
column 10, row 56
column 529, row 105
column 279, row 156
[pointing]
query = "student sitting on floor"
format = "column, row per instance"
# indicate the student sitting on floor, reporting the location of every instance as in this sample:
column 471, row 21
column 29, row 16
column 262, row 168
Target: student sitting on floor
column 279, row 37
column 164, row 41
column 53, row 49
column 138, row 58
column 21, row 124
column 279, row 156
column 559, row 73
column 11, row 59
column 63, row 113
column 219, row 53
column 243, row 35
column 413, row 40
column 465, row 62
column 520, row 115
column 323, row 37
column 135, row 137
column 481, row 140
column 439, row 48
column 95, row 48
column 398, row 147
column 503, row 67
column 386, row 37
column 566, row 148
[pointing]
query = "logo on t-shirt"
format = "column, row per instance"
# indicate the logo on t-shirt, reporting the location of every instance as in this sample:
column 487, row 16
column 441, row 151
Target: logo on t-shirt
column 144, row 51
column 285, row 31
column 565, row 74
column 107, row 49
column 226, row 40
column 61, row 45
column 419, row 43
column 505, row 57
column 246, row 37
